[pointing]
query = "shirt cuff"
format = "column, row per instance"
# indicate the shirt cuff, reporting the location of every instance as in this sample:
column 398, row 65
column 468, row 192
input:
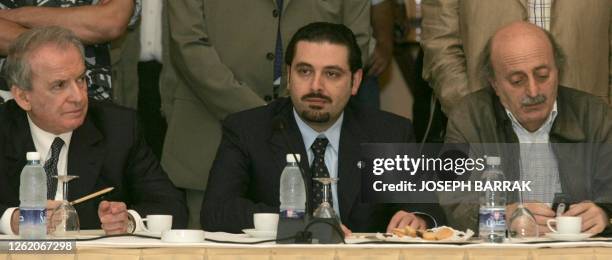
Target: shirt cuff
column 139, row 224
column 5, row 221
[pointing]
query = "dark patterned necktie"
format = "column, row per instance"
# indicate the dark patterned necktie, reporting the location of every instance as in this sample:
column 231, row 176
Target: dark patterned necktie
column 319, row 170
column 51, row 167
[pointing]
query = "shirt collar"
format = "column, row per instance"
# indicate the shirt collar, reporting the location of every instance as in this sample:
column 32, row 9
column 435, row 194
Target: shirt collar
column 43, row 139
column 543, row 130
column 309, row 135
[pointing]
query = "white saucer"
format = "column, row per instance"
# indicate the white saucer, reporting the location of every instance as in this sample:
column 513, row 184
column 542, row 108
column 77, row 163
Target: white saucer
column 259, row 233
column 148, row 233
column 569, row 237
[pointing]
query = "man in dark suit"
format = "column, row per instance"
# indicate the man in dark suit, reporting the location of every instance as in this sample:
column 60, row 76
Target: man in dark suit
column 99, row 142
column 324, row 71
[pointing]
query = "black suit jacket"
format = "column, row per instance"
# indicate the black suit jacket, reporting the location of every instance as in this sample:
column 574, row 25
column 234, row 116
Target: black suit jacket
column 246, row 172
column 107, row 150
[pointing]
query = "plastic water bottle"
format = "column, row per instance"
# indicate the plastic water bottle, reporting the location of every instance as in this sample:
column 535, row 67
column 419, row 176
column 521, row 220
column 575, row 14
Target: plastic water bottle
column 33, row 198
column 292, row 191
column 492, row 213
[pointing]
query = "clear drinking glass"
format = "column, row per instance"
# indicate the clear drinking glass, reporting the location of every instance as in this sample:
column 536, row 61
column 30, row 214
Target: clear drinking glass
column 325, row 209
column 522, row 223
column 65, row 219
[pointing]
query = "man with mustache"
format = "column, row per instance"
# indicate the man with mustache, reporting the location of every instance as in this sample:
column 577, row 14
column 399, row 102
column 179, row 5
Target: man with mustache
column 556, row 129
column 97, row 141
column 324, row 71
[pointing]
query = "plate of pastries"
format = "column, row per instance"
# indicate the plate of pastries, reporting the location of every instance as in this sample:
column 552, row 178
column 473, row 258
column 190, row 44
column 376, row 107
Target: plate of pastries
column 437, row 234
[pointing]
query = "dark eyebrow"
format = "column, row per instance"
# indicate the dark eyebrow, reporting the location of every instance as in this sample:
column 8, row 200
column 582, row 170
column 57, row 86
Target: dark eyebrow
column 334, row 67
column 57, row 81
column 303, row 64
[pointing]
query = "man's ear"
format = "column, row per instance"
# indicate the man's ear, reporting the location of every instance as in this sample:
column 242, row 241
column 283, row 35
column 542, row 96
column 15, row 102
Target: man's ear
column 22, row 97
column 356, row 81
column 288, row 76
column 493, row 84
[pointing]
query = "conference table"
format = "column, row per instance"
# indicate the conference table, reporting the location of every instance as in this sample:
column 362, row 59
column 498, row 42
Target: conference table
column 362, row 247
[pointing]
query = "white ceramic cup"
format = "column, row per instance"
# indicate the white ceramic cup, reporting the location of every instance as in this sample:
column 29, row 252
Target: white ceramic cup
column 265, row 221
column 158, row 223
column 566, row 225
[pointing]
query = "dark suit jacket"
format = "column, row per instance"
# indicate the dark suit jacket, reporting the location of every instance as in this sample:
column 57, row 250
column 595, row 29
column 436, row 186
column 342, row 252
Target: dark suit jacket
column 106, row 151
column 246, row 173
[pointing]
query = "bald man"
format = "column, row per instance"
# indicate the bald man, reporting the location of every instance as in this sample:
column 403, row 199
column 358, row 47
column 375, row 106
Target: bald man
column 525, row 104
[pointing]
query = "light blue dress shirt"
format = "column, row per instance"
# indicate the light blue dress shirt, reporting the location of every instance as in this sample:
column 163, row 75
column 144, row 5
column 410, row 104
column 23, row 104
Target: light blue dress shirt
column 331, row 151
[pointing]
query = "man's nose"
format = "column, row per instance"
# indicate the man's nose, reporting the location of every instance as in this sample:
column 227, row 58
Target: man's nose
column 533, row 88
column 317, row 82
column 75, row 92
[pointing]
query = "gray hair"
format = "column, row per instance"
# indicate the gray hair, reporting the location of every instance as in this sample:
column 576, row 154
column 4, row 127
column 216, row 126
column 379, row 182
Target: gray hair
column 17, row 66
column 486, row 66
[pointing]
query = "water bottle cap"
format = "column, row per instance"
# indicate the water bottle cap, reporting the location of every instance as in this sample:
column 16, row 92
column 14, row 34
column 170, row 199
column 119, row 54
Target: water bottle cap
column 33, row 156
column 291, row 159
column 493, row 160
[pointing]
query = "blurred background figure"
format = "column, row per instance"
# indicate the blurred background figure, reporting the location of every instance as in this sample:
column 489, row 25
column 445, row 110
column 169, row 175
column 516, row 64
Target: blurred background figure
column 95, row 22
column 226, row 56
column 381, row 51
column 137, row 63
column 455, row 33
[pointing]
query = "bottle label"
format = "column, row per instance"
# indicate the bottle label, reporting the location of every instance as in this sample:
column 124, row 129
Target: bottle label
column 292, row 213
column 33, row 216
column 492, row 219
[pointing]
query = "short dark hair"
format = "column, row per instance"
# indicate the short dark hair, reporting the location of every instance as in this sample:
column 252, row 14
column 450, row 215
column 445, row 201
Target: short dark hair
column 331, row 33
column 486, row 66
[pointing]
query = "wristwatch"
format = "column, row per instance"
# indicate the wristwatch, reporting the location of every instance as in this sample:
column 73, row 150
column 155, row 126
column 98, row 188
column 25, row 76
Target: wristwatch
column 131, row 225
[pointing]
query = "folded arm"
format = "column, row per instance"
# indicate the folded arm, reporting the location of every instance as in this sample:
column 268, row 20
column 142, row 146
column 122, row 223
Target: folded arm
column 91, row 23
column 10, row 30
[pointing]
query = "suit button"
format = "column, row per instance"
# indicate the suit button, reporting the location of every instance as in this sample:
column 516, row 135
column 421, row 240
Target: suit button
column 268, row 98
column 270, row 56
column 275, row 13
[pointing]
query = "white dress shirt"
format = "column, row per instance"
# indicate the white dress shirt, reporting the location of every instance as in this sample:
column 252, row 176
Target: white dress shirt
column 151, row 31
column 538, row 162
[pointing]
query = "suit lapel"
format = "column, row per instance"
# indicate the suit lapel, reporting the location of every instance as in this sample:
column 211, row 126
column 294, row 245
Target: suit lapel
column 523, row 4
column 15, row 154
column 85, row 157
column 349, row 175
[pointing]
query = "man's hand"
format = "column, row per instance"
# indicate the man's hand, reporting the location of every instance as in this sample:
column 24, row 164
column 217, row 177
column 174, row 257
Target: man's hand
column 15, row 222
column 403, row 218
column 541, row 212
column 380, row 60
column 347, row 231
column 113, row 216
column 594, row 219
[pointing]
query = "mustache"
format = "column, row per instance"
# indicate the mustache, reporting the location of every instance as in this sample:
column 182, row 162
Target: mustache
column 316, row 95
column 530, row 101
